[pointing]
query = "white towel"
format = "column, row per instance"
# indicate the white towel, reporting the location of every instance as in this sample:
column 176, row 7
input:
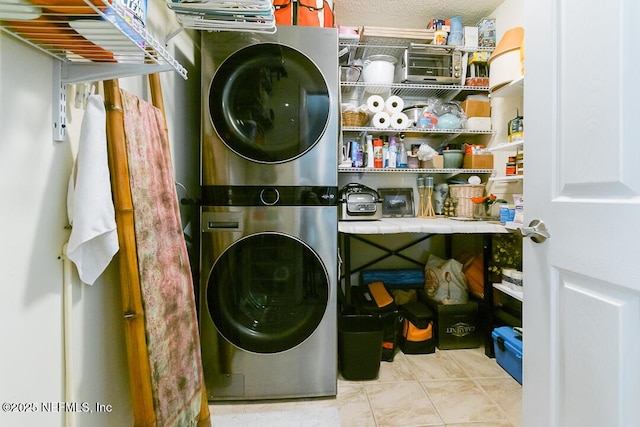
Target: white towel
column 94, row 240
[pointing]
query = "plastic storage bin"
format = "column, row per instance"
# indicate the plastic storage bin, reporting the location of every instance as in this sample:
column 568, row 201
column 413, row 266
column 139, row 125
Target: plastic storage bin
column 507, row 345
column 359, row 346
column 418, row 334
column 365, row 303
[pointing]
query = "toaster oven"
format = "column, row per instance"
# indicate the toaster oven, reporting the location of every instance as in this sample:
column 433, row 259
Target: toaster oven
column 430, row 64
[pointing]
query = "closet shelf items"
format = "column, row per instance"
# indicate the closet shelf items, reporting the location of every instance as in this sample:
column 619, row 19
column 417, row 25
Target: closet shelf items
column 371, row 129
column 411, row 90
column 94, row 39
column 222, row 15
column 450, row 172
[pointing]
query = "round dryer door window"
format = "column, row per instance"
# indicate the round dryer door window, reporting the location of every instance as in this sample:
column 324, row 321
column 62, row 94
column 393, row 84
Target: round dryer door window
column 267, row 292
column 269, row 103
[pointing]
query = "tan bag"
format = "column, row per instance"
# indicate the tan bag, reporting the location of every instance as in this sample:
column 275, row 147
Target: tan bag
column 445, row 283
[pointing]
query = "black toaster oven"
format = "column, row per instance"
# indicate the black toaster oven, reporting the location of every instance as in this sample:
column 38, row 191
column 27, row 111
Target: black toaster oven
column 358, row 202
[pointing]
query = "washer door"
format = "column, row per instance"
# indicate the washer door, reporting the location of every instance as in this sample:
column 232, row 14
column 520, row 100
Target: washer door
column 267, row 292
column 269, row 103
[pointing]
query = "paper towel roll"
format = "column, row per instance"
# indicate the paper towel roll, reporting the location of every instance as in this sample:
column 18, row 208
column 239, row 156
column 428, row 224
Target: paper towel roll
column 381, row 120
column 394, row 104
column 400, row 121
column 375, row 103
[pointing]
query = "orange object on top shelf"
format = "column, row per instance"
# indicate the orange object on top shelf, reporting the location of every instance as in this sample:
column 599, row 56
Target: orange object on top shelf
column 71, row 6
column 58, row 36
column 82, row 32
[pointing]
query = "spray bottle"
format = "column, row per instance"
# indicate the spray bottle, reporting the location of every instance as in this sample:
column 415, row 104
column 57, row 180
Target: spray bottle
column 393, row 152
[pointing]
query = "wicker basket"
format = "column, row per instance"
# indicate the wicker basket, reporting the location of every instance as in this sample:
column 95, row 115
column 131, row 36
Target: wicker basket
column 463, row 193
column 354, row 118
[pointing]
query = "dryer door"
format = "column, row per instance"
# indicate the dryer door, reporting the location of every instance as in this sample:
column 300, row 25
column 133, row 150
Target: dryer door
column 267, row 292
column 269, row 103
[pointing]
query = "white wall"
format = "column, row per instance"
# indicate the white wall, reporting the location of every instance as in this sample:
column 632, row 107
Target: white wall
column 34, row 172
column 508, row 15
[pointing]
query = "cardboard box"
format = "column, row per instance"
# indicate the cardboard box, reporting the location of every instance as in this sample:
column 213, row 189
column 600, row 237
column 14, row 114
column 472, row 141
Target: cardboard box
column 476, row 108
column 439, row 25
column 478, row 161
column 478, row 123
column 437, row 162
column 507, row 346
column 471, row 36
column 487, row 33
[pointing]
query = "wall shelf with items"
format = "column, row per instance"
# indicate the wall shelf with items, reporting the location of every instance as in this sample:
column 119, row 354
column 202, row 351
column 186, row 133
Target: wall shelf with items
column 93, row 39
column 438, row 77
column 394, row 43
column 415, row 90
column 371, row 129
column 415, row 170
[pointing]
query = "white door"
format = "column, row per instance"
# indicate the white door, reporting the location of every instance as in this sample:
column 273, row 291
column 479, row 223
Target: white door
column 582, row 286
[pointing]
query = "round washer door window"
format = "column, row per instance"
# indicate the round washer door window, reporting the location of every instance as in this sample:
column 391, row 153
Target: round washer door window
column 269, row 103
column 267, row 292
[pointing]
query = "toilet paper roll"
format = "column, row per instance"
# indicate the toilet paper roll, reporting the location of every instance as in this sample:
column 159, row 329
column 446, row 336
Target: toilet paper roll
column 394, row 104
column 381, row 120
column 375, row 103
column 400, row 121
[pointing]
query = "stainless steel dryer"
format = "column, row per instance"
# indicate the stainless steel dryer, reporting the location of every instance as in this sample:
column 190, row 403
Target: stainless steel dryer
column 270, row 107
column 268, row 294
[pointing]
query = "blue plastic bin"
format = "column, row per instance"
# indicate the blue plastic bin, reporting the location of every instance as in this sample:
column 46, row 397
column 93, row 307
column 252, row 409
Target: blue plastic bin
column 507, row 345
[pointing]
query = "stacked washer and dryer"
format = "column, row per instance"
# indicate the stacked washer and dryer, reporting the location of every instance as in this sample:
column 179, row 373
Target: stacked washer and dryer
column 268, row 258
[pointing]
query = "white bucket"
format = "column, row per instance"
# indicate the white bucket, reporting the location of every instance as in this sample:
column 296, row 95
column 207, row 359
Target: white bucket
column 379, row 69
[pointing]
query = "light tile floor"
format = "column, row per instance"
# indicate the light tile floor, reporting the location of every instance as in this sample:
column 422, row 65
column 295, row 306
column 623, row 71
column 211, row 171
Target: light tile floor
column 461, row 388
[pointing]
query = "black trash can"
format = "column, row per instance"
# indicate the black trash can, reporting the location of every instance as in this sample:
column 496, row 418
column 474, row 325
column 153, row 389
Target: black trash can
column 359, row 346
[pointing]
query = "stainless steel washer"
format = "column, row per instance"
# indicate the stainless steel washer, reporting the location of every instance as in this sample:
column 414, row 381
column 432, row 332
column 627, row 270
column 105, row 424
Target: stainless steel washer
column 268, row 295
column 268, row 251
column 270, row 108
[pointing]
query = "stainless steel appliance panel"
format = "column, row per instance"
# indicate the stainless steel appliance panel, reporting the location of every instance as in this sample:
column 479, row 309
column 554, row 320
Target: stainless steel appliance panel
column 270, row 107
column 280, row 270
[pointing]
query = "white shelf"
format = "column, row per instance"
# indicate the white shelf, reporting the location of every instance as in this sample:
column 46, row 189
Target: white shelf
column 507, row 290
column 507, row 178
column 371, row 129
column 413, row 170
column 513, row 89
column 512, row 226
column 508, row 146
column 96, row 41
column 438, row 225
column 421, row 90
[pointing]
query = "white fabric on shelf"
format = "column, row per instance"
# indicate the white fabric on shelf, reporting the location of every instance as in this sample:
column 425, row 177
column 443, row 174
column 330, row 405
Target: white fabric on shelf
column 94, row 240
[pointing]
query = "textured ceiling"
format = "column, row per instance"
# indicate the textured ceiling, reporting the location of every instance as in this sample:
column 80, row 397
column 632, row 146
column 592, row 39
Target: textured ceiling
column 410, row 13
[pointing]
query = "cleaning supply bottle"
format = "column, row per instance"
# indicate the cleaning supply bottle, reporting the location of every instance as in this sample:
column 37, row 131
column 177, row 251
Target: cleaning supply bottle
column 385, row 151
column 370, row 155
column 393, row 152
column 354, row 153
column 402, row 154
column 377, row 153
